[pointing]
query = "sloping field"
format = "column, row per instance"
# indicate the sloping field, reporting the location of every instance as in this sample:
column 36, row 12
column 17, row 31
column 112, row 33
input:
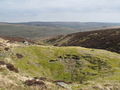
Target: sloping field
column 76, row 66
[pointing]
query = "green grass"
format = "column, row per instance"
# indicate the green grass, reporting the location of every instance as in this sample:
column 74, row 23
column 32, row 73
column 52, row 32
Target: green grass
column 92, row 64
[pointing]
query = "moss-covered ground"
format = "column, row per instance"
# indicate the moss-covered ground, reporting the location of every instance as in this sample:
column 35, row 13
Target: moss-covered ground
column 70, row 64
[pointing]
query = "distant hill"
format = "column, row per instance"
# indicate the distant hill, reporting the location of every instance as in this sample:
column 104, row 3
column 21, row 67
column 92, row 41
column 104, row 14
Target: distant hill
column 108, row 39
column 33, row 30
column 75, row 25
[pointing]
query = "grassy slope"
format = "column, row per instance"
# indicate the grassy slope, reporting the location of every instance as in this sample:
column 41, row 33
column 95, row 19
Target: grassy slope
column 36, row 61
column 93, row 63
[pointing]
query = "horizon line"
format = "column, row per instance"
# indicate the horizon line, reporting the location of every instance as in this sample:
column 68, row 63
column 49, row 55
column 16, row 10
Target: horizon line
column 58, row 22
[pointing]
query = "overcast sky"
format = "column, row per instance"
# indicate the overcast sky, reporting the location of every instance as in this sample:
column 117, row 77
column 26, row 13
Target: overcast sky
column 60, row 10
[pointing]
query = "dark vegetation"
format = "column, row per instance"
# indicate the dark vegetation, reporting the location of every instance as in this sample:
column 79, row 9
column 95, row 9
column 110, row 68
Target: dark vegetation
column 17, row 39
column 19, row 55
column 102, row 39
column 9, row 66
column 34, row 82
column 6, row 49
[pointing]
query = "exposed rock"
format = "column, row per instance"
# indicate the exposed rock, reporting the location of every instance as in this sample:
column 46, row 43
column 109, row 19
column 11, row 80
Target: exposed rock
column 63, row 84
column 63, row 81
column 41, row 78
column 98, row 87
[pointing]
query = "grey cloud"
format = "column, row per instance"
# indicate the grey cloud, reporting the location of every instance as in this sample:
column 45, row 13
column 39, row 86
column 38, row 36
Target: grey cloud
column 70, row 10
